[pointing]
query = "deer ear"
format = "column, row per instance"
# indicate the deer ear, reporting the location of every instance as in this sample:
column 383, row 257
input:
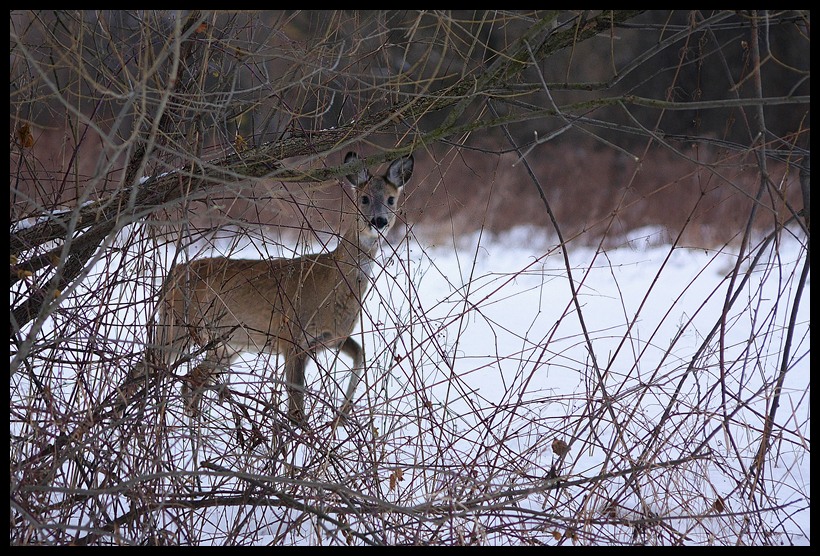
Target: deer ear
column 400, row 170
column 362, row 174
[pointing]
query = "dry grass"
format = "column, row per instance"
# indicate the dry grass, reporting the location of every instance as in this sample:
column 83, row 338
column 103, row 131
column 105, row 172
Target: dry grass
column 598, row 194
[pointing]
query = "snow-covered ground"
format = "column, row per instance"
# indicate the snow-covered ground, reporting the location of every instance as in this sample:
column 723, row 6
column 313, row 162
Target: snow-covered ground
column 480, row 360
column 483, row 370
column 491, row 336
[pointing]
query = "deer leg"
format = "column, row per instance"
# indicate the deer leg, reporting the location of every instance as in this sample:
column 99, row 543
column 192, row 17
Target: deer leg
column 295, row 363
column 202, row 376
column 351, row 348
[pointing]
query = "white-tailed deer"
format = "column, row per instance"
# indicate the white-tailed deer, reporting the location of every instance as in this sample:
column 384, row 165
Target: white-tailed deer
column 292, row 307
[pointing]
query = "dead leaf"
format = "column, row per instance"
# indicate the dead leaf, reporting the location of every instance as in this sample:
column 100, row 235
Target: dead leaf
column 396, row 476
column 560, row 447
column 25, row 136
column 240, row 143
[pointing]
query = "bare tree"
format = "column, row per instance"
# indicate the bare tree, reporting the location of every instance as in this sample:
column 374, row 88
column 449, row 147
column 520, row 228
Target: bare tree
column 140, row 139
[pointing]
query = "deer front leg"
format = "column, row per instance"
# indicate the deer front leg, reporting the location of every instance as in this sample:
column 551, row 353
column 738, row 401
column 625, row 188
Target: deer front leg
column 201, row 377
column 351, row 348
column 295, row 384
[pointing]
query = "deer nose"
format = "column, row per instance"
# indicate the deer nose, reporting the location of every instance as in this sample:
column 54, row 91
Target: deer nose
column 378, row 222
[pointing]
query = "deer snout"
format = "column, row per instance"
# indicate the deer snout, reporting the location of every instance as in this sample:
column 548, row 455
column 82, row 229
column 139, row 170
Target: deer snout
column 378, row 222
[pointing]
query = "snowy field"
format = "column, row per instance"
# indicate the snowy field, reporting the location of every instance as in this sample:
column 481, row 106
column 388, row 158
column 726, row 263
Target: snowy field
column 492, row 397
column 493, row 339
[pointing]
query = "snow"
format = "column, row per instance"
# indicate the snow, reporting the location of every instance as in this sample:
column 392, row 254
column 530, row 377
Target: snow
column 479, row 361
column 481, row 342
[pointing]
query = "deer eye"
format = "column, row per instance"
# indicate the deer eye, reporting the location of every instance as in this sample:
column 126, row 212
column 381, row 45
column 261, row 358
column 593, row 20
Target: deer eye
column 391, row 201
column 365, row 200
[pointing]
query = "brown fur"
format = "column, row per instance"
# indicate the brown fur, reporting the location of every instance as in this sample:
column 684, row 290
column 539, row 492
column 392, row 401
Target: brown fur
column 287, row 306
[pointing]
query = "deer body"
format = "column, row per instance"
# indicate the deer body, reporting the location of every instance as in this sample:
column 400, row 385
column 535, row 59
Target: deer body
column 292, row 307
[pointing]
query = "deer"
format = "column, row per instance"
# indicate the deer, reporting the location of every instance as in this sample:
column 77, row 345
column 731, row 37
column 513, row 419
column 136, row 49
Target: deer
column 293, row 307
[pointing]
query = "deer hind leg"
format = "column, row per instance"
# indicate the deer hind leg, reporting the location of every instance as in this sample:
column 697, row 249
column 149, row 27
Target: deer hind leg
column 204, row 376
column 351, row 348
column 295, row 363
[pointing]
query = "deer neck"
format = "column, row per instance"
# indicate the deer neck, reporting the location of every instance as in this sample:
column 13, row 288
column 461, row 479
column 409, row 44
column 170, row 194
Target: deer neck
column 355, row 252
